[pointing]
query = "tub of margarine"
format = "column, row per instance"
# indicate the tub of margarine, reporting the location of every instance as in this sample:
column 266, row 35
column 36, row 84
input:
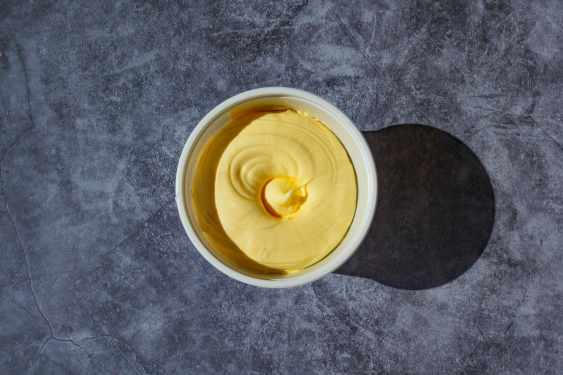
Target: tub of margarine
column 276, row 187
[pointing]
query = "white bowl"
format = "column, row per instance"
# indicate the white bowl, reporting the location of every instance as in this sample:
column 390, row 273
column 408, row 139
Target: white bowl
column 340, row 125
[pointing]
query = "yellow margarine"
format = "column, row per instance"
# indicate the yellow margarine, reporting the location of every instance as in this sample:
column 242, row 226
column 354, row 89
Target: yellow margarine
column 274, row 192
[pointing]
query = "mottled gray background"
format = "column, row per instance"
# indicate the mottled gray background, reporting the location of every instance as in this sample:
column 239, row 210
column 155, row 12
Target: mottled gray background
column 97, row 99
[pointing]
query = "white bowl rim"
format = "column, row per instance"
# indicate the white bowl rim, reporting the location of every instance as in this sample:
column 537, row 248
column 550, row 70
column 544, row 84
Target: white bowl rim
column 334, row 260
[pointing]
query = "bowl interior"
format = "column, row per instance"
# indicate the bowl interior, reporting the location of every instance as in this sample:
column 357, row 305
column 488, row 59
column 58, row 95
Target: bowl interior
column 350, row 137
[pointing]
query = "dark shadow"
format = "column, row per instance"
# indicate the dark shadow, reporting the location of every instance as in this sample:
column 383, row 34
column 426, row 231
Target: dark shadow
column 435, row 209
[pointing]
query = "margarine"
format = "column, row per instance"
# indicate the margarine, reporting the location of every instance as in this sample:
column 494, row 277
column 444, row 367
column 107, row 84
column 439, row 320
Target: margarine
column 274, row 191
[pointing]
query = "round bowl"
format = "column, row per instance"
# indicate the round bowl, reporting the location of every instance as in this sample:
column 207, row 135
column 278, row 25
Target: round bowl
column 338, row 123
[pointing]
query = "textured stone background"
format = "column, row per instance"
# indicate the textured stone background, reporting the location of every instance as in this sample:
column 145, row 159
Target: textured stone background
column 97, row 99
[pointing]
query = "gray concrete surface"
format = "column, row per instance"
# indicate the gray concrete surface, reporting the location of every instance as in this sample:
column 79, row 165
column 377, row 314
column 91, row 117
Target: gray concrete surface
column 97, row 99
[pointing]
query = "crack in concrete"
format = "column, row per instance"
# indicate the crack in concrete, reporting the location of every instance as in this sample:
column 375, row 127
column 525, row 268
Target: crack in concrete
column 116, row 343
column 52, row 335
column 44, row 345
column 28, row 270
column 59, row 339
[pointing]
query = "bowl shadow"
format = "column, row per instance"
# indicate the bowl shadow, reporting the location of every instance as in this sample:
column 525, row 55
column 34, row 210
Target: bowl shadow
column 435, row 209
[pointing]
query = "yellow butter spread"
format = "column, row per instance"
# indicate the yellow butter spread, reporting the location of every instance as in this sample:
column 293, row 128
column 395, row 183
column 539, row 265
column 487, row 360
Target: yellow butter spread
column 273, row 192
